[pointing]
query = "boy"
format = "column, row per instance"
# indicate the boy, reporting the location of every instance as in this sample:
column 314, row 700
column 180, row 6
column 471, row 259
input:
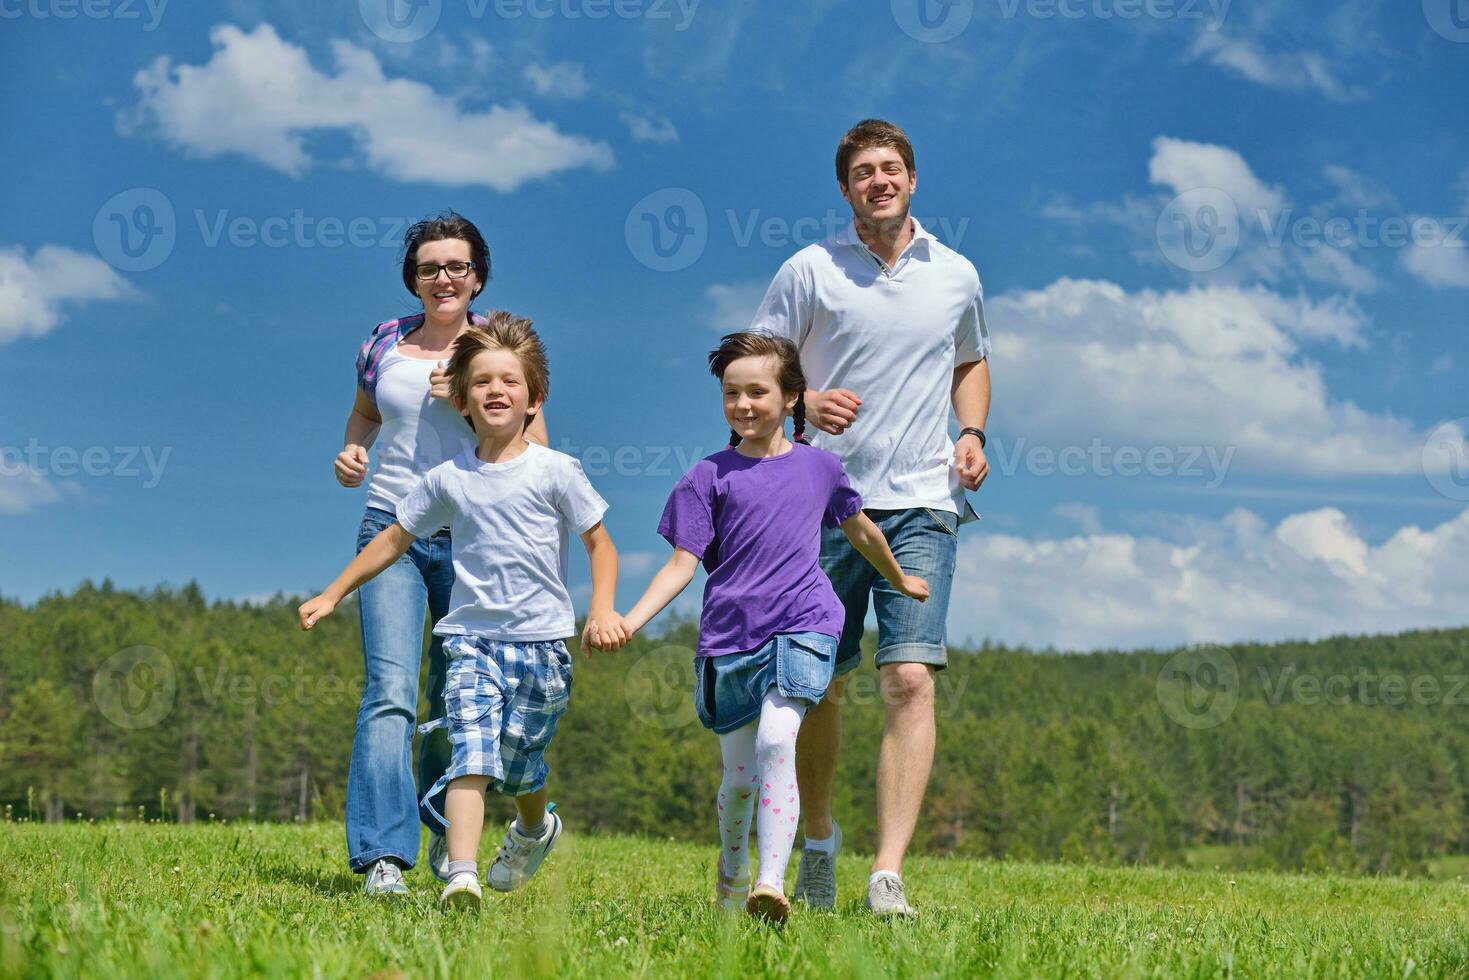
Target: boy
column 508, row 505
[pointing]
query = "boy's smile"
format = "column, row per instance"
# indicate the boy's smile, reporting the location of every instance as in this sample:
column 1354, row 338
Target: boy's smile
column 499, row 399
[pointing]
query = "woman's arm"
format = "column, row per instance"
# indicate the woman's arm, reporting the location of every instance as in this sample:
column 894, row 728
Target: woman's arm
column 867, row 538
column 362, row 427
column 672, row 578
column 389, row 545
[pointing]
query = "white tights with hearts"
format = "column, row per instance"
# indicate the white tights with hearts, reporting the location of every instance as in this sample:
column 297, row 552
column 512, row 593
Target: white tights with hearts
column 760, row 768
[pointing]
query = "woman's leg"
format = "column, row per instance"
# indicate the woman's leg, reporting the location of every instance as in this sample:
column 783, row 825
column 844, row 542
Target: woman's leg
column 780, row 800
column 382, row 802
column 433, row 750
column 736, row 801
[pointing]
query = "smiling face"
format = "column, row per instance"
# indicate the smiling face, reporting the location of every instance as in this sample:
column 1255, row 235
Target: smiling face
column 498, row 401
column 754, row 405
column 445, row 298
column 879, row 186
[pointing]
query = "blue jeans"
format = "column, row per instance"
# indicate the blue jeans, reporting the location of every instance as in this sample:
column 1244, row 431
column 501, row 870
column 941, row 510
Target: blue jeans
column 383, row 812
column 926, row 543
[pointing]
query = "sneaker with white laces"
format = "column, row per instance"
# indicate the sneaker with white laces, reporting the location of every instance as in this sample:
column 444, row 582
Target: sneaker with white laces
column 519, row 856
column 385, row 878
column 816, row 878
column 438, row 856
column 462, row 892
column 885, row 897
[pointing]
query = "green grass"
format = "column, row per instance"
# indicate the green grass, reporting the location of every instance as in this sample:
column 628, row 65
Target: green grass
column 222, row 901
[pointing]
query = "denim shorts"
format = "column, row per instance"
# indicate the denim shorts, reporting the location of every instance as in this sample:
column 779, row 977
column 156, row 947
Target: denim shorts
column 502, row 701
column 729, row 689
column 926, row 543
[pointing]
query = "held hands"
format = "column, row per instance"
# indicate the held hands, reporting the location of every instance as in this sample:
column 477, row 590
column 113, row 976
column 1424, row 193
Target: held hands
column 913, row 587
column 971, row 462
column 438, row 382
column 313, row 611
column 605, row 631
column 351, row 466
column 832, row 411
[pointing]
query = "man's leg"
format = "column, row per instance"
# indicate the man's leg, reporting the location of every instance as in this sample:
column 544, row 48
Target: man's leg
column 816, row 760
column 905, row 759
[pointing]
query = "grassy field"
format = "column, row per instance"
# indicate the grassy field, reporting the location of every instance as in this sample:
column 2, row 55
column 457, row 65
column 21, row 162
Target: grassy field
column 222, row 901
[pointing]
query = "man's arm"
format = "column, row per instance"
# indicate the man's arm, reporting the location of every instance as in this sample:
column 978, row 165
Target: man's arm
column 971, row 397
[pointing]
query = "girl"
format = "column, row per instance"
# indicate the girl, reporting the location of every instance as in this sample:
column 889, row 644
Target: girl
column 403, row 403
column 771, row 620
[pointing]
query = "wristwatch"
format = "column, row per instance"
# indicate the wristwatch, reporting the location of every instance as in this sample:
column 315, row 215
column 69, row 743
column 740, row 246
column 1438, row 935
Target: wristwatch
column 970, row 430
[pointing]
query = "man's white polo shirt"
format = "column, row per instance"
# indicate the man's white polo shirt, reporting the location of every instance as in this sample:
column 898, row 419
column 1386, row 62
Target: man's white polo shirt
column 893, row 336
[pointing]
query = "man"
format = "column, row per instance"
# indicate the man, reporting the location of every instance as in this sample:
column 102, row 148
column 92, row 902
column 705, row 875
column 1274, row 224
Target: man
column 890, row 325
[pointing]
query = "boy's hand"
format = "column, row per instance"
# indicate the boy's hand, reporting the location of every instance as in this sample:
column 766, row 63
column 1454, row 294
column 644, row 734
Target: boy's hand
column 438, row 382
column 913, row 587
column 351, row 466
column 313, row 611
column 606, row 630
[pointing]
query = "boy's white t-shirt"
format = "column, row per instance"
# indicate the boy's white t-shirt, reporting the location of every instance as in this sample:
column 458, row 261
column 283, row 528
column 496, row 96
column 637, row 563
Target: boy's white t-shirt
column 508, row 524
column 894, row 337
column 418, row 432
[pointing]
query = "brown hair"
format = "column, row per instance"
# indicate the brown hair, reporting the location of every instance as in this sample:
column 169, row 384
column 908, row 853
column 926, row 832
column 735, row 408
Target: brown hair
column 788, row 372
column 508, row 332
column 437, row 228
column 867, row 134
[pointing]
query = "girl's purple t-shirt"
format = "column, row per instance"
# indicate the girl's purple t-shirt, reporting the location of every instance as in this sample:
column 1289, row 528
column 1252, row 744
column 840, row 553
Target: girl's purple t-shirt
column 756, row 524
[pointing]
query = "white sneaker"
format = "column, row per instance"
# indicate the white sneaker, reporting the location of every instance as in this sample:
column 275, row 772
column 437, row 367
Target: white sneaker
column 462, row 892
column 816, row 878
column 519, row 856
column 438, row 856
column 385, row 878
column 885, row 897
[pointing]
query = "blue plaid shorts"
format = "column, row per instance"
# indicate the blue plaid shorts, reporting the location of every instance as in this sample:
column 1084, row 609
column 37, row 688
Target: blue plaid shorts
column 502, row 702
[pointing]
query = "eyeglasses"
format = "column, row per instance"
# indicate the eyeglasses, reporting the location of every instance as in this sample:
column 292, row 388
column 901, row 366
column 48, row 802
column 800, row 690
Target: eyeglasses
column 456, row 270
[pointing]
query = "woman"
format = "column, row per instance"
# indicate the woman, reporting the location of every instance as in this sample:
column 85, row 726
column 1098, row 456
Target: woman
column 402, row 403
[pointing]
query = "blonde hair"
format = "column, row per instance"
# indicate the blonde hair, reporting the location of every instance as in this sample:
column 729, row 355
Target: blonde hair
column 507, row 332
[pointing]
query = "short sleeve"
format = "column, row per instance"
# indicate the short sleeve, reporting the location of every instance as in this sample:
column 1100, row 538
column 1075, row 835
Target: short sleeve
column 786, row 309
column 973, row 340
column 576, row 500
column 426, row 508
column 843, row 503
column 688, row 517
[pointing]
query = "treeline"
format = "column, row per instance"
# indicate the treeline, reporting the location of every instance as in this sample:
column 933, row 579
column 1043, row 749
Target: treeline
column 1342, row 754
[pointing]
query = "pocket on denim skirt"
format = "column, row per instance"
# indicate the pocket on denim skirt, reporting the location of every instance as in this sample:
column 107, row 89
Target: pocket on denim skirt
column 805, row 663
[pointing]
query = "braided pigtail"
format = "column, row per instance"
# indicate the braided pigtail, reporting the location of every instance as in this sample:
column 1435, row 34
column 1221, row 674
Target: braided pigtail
column 800, row 416
column 734, row 438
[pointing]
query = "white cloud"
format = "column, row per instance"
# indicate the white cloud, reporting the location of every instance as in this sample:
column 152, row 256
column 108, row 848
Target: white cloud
column 565, row 80
column 731, row 306
column 1218, row 366
column 1182, row 166
column 22, row 488
column 1441, row 264
column 649, row 127
column 260, row 97
column 34, row 289
column 1290, row 71
column 1234, row 579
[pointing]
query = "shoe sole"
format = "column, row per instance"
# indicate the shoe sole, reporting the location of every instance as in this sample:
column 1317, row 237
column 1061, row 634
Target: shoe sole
column 465, row 901
column 769, row 907
column 551, row 844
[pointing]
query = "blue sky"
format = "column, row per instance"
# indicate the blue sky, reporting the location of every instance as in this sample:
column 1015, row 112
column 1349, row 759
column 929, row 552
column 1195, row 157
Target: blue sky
column 1223, row 247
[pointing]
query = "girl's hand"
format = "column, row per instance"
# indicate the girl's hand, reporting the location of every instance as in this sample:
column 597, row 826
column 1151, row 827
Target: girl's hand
column 913, row 587
column 351, row 466
column 610, row 631
column 313, row 611
column 438, row 382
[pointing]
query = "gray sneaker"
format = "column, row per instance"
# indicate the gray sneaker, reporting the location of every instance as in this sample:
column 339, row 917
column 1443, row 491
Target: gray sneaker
column 885, row 897
column 816, row 878
column 385, row 878
column 438, row 857
column 519, row 856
